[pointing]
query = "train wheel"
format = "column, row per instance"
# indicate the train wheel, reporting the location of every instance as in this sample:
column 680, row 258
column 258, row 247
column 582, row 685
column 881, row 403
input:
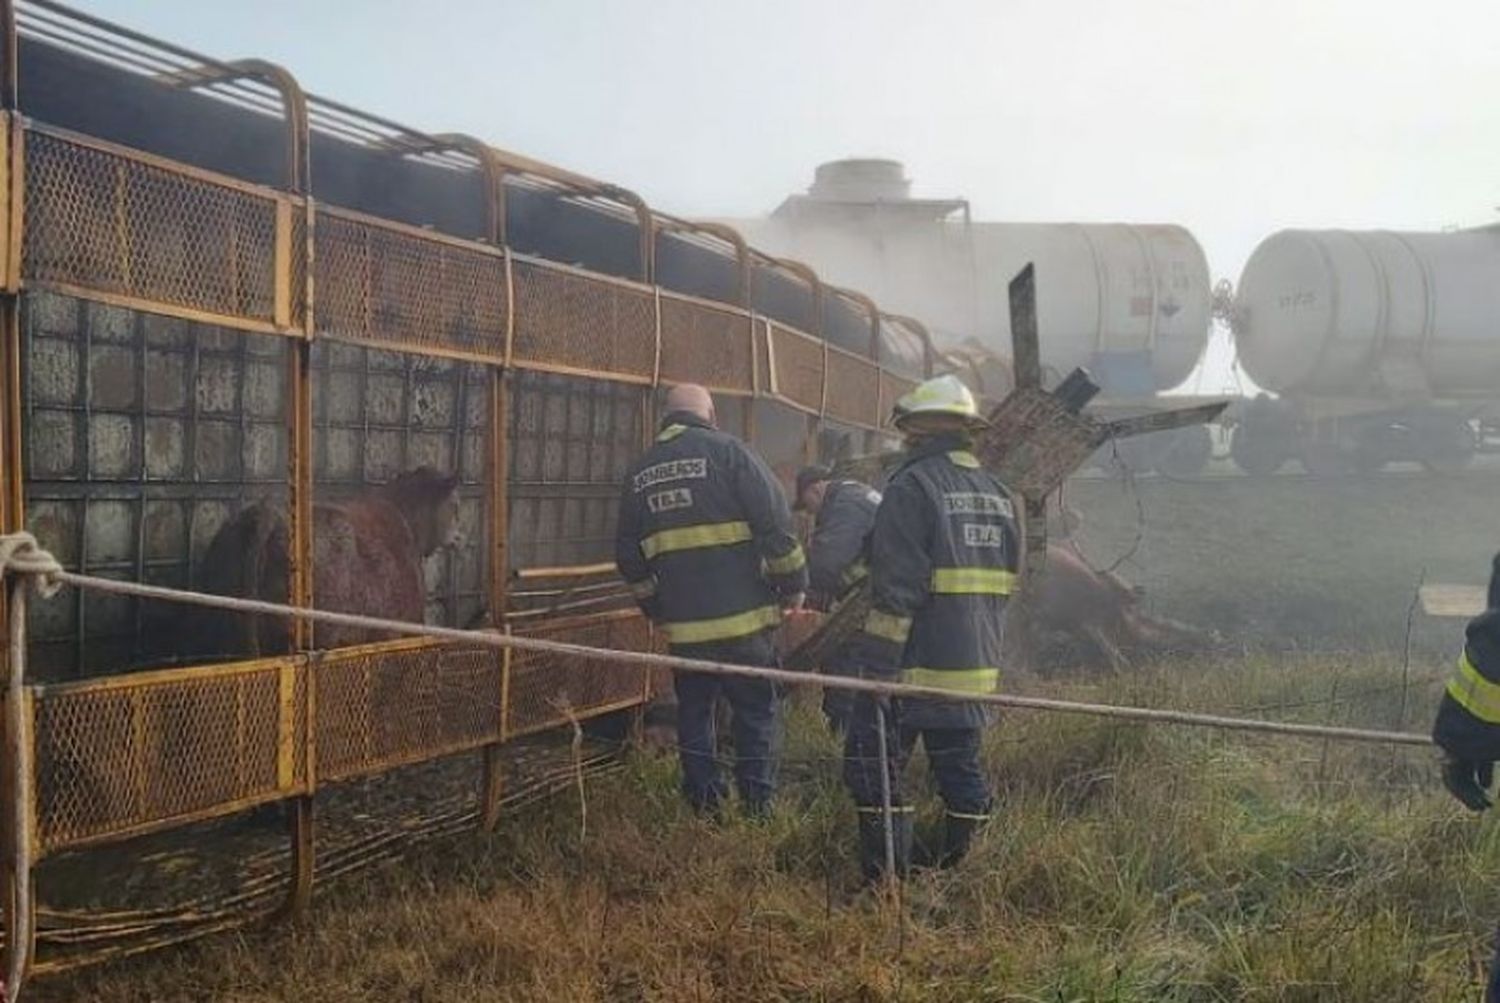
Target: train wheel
column 1186, row 452
column 1257, row 454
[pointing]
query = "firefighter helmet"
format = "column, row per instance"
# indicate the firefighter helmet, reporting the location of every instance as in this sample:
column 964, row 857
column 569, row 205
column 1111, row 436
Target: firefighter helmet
column 941, row 395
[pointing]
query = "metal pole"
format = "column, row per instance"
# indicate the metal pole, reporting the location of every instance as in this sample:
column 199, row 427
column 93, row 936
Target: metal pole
column 885, row 792
column 18, row 914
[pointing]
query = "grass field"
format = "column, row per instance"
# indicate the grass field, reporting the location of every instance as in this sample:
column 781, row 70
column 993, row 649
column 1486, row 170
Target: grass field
column 1296, row 563
column 1127, row 863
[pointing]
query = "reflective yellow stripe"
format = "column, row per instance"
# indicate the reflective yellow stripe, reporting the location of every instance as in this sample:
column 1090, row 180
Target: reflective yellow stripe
column 967, row 815
column 670, row 432
column 973, row 581
column 854, row 573
column 1474, row 693
column 712, row 534
column 964, row 458
column 958, row 680
column 888, row 626
column 792, row 560
column 896, row 809
column 724, row 627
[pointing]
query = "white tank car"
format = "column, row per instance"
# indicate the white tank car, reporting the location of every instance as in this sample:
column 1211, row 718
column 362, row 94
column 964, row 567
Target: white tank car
column 1130, row 303
column 1382, row 345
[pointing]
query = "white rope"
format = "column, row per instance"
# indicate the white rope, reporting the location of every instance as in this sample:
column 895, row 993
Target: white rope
column 653, row 660
column 21, row 554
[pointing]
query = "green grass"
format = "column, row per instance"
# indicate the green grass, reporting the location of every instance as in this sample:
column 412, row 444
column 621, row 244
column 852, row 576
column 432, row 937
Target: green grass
column 1127, row 863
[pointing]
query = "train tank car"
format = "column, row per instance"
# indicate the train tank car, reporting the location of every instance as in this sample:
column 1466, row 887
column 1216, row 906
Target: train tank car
column 1381, row 347
column 1131, row 303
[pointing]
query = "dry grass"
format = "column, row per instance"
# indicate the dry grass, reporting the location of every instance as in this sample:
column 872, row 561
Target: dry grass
column 1128, row 864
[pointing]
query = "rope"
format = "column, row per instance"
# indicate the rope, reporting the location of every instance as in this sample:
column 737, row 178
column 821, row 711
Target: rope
column 22, row 555
column 658, row 661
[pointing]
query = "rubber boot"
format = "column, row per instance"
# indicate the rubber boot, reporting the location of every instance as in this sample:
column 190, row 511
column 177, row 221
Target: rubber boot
column 872, row 845
column 958, row 836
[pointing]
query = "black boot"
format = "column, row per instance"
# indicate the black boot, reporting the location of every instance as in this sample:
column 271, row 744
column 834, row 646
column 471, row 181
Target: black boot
column 958, row 836
column 872, row 844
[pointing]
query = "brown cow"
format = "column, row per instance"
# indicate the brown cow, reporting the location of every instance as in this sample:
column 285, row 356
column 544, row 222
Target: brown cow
column 1073, row 613
column 367, row 558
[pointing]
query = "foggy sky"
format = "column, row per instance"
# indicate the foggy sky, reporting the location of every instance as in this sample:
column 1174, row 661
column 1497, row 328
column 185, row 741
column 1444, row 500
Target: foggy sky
column 1233, row 118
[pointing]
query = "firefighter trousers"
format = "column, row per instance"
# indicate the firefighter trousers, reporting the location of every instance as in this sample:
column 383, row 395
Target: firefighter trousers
column 755, row 724
column 953, row 754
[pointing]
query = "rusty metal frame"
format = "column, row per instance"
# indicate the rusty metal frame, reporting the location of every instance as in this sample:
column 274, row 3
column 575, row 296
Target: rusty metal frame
column 873, row 311
column 293, row 103
column 299, row 415
column 929, row 351
column 498, row 167
column 671, row 224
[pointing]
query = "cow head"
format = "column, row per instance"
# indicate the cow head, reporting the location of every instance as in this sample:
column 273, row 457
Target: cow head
column 429, row 502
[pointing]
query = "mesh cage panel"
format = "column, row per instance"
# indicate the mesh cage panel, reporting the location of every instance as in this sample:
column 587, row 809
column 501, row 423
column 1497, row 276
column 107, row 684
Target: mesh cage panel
column 578, row 323
column 705, row 344
column 382, row 284
column 548, row 690
column 298, row 253
column 382, row 706
column 853, row 389
column 120, row 756
column 799, row 367
column 102, row 221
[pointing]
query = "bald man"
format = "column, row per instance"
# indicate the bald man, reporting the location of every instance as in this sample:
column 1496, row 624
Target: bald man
column 705, row 541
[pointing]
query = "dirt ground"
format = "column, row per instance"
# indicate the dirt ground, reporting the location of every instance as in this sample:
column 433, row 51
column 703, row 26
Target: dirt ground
column 1294, row 562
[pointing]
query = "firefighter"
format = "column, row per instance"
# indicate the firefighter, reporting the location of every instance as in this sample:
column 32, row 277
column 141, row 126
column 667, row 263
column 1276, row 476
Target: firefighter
column 843, row 514
column 943, row 561
column 1468, row 722
column 705, row 542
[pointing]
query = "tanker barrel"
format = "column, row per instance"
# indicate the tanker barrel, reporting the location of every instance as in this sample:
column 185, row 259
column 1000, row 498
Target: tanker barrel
column 1076, row 390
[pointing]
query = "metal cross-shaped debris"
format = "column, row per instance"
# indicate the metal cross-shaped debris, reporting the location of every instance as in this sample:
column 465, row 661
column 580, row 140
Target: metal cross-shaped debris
column 1036, row 439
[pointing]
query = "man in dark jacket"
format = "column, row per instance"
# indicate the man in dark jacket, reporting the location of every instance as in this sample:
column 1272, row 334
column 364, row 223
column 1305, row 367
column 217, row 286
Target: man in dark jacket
column 843, row 513
column 1468, row 721
column 705, row 542
column 943, row 561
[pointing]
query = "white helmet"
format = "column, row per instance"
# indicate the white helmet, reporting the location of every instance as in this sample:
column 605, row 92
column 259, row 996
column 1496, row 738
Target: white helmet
column 941, row 395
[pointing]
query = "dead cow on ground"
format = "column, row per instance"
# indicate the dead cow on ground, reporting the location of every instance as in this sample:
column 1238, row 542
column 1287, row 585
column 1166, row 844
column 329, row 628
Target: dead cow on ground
column 1074, row 614
column 367, row 558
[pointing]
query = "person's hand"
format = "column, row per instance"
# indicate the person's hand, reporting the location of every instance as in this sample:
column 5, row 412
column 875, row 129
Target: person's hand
column 1469, row 781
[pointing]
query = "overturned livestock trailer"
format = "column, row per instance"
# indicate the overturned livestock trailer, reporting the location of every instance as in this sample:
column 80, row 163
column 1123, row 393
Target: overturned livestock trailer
column 224, row 296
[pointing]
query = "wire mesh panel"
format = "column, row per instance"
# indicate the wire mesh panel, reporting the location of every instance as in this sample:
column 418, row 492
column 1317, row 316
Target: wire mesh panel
column 101, row 220
column 853, row 388
column 572, row 441
column 379, row 706
column 151, row 750
column 705, row 344
column 797, row 364
column 573, row 322
column 382, row 283
column 547, row 690
column 401, row 447
column 144, row 435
